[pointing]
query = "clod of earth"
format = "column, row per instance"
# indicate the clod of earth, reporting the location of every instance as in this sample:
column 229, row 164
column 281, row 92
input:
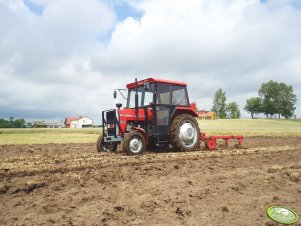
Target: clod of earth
column 3, row 189
column 293, row 175
column 33, row 185
column 119, row 208
column 274, row 169
column 225, row 209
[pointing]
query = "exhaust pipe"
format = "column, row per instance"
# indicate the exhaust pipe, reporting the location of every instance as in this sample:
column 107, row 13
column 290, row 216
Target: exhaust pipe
column 136, row 102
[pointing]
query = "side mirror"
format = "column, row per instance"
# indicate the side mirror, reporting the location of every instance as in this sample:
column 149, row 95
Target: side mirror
column 118, row 105
column 115, row 94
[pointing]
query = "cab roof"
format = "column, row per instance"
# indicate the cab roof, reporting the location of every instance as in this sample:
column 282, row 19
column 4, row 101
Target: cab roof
column 151, row 80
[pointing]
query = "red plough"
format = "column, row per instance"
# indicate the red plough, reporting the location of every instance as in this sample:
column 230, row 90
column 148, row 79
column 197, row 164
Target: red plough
column 211, row 142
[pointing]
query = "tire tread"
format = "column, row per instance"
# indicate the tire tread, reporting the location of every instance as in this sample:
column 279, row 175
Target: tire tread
column 174, row 129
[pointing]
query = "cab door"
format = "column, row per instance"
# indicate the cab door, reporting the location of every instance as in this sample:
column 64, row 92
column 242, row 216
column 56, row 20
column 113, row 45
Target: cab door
column 162, row 110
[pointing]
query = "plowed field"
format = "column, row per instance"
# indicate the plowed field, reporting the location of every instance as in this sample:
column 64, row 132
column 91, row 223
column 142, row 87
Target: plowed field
column 72, row 184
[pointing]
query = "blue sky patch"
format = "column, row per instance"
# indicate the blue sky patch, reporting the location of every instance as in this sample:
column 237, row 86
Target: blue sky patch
column 296, row 4
column 35, row 8
column 124, row 10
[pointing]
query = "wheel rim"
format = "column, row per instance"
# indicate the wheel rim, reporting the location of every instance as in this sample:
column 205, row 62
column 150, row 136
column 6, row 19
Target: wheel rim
column 188, row 133
column 135, row 144
column 108, row 146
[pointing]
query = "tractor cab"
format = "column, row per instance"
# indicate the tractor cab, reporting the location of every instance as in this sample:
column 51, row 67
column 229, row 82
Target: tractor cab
column 159, row 99
column 152, row 107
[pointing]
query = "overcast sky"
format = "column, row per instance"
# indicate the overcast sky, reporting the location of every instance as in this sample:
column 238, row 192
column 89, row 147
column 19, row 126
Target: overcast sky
column 65, row 58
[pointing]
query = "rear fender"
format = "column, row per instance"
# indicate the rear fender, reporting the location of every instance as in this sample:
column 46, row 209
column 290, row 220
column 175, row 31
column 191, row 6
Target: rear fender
column 184, row 110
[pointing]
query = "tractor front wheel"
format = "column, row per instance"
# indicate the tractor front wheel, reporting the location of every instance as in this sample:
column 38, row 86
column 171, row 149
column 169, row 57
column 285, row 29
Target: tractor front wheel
column 185, row 133
column 102, row 146
column 133, row 143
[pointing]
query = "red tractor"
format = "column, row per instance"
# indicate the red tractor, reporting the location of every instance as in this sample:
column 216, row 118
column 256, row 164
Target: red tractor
column 158, row 113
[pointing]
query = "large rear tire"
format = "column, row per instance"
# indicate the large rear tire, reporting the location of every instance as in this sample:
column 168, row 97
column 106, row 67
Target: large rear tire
column 102, row 146
column 133, row 143
column 185, row 133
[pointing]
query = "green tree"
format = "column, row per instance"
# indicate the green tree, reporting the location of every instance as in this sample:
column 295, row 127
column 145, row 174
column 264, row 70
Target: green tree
column 232, row 110
column 19, row 123
column 29, row 124
column 277, row 98
column 11, row 123
column 219, row 103
column 4, row 123
column 254, row 106
column 285, row 103
column 267, row 93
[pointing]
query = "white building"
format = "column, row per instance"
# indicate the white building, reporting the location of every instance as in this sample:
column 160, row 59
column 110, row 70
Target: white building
column 80, row 122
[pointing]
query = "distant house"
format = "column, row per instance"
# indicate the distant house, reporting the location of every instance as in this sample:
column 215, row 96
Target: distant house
column 206, row 114
column 54, row 125
column 79, row 122
column 202, row 113
column 68, row 121
column 43, row 124
column 39, row 124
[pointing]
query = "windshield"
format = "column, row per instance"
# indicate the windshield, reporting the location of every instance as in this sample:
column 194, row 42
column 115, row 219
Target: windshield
column 145, row 96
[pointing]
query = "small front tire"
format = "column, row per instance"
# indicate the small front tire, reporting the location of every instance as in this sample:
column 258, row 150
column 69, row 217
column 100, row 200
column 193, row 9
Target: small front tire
column 102, row 146
column 134, row 143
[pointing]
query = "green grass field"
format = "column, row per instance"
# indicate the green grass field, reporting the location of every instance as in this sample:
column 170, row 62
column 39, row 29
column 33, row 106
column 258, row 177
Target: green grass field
column 252, row 127
column 44, row 136
column 246, row 127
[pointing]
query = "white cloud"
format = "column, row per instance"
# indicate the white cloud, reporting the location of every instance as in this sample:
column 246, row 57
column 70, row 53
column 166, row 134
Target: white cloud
column 234, row 45
column 68, row 60
column 44, row 60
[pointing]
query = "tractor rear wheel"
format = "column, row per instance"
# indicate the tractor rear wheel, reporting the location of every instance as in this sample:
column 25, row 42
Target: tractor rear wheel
column 102, row 146
column 185, row 133
column 133, row 143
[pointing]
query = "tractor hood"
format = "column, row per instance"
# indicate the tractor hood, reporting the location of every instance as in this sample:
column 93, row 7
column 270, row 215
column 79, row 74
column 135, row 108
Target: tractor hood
column 129, row 114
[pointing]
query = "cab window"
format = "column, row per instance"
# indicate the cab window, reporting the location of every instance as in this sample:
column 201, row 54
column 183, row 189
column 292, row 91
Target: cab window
column 148, row 95
column 145, row 97
column 163, row 93
column 179, row 95
column 131, row 97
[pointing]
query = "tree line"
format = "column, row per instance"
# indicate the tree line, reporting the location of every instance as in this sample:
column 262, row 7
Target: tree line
column 274, row 98
column 222, row 109
column 13, row 123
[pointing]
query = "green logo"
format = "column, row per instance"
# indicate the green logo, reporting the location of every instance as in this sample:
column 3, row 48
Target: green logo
column 282, row 215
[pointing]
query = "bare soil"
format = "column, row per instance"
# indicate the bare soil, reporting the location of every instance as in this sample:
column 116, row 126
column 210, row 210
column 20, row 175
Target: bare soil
column 72, row 184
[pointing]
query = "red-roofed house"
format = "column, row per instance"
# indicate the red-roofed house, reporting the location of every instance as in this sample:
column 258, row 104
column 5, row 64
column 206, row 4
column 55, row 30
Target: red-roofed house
column 68, row 121
column 78, row 122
